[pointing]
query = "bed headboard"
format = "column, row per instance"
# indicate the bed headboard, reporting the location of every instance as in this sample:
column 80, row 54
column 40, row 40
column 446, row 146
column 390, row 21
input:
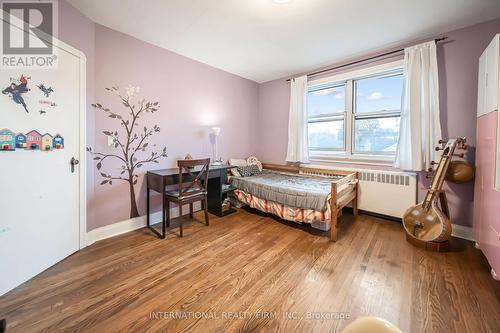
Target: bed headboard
column 310, row 171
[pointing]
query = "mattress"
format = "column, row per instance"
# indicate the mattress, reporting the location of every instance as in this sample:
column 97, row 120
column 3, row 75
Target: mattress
column 286, row 189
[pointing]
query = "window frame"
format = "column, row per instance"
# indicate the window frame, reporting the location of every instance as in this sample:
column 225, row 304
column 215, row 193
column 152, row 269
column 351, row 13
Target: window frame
column 348, row 154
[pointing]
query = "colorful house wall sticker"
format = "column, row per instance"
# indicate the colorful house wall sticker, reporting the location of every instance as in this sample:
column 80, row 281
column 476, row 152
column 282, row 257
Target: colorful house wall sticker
column 33, row 140
column 47, row 141
column 58, row 142
column 7, row 139
column 21, row 140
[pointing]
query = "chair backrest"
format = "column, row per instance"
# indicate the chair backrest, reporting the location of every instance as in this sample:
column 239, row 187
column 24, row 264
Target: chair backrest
column 199, row 179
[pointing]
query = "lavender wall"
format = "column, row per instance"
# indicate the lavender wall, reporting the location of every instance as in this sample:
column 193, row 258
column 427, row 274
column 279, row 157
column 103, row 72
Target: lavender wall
column 193, row 97
column 458, row 68
column 254, row 118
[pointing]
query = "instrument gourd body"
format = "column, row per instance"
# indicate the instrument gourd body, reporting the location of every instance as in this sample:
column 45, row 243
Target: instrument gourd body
column 427, row 221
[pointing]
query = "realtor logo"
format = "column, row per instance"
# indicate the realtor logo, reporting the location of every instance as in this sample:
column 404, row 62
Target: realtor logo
column 28, row 31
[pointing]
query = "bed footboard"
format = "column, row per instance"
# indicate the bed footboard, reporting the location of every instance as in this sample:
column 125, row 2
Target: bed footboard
column 344, row 191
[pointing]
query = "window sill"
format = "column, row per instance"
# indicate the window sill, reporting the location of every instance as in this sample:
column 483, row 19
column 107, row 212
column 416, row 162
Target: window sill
column 377, row 160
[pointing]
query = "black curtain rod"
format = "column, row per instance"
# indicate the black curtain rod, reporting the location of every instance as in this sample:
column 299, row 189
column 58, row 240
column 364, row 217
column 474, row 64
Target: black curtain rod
column 363, row 60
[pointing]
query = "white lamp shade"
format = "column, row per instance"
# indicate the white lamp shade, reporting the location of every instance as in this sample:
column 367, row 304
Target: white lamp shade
column 215, row 131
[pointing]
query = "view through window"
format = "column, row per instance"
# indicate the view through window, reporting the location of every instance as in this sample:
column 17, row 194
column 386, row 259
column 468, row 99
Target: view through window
column 356, row 117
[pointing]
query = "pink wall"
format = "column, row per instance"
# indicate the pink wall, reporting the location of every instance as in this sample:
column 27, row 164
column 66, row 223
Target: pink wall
column 458, row 67
column 193, row 98
column 486, row 208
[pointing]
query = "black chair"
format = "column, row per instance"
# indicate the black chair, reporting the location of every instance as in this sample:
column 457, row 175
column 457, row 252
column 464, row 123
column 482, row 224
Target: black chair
column 195, row 173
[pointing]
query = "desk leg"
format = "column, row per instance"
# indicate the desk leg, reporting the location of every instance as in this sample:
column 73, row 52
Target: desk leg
column 147, row 207
column 163, row 221
column 167, row 213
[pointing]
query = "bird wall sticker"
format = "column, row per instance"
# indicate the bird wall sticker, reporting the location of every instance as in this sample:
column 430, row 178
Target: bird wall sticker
column 15, row 91
column 46, row 91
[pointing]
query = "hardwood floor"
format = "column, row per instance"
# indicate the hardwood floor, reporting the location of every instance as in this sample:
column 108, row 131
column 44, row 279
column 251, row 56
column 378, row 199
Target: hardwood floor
column 248, row 272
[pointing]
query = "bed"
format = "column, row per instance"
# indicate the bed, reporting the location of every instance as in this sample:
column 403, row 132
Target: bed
column 300, row 194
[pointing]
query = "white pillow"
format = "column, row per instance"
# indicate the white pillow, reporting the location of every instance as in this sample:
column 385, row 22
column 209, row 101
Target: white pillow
column 252, row 160
column 238, row 163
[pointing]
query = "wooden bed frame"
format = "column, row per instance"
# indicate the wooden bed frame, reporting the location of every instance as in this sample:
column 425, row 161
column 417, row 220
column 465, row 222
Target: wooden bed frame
column 349, row 182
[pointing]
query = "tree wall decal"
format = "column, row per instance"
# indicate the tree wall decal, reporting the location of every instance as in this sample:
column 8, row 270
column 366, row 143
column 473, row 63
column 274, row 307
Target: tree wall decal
column 130, row 151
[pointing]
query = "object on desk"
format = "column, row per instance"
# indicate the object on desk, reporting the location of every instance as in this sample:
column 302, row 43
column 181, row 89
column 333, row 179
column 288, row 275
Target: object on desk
column 214, row 133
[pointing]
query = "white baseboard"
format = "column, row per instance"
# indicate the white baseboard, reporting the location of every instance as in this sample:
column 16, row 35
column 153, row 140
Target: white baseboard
column 122, row 227
column 460, row 231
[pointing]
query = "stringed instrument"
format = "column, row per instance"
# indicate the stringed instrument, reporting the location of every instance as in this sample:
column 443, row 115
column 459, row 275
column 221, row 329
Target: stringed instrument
column 427, row 221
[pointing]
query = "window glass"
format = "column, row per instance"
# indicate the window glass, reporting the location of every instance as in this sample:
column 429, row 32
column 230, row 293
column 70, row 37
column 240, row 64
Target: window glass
column 326, row 135
column 326, row 101
column 376, row 135
column 379, row 94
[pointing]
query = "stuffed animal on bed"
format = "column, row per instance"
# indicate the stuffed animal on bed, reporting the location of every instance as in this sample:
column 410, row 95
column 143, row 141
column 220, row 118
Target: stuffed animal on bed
column 252, row 160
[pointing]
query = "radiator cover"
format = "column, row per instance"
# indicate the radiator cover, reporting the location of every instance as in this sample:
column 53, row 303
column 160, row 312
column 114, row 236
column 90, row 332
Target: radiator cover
column 387, row 193
column 384, row 192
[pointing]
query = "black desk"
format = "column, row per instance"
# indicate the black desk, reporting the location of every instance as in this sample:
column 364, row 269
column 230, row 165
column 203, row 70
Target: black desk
column 157, row 180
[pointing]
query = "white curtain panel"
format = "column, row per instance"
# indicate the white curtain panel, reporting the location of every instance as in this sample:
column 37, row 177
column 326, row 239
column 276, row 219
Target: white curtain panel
column 420, row 126
column 297, row 122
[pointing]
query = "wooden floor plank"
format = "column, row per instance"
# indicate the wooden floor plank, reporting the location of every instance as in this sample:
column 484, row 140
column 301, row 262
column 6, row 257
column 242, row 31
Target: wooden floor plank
column 252, row 272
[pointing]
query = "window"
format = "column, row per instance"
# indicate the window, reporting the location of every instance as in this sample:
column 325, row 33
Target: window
column 356, row 115
column 326, row 118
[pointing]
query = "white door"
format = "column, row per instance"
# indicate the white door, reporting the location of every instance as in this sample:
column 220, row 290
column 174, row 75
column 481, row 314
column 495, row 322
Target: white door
column 492, row 65
column 481, row 85
column 39, row 193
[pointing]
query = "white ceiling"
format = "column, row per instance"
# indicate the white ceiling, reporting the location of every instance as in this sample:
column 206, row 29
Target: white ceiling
column 262, row 40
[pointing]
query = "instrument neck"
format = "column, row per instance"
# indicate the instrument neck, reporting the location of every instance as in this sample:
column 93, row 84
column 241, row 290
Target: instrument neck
column 437, row 181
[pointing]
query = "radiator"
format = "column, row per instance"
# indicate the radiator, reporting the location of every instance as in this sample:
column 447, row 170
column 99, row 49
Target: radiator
column 386, row 192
